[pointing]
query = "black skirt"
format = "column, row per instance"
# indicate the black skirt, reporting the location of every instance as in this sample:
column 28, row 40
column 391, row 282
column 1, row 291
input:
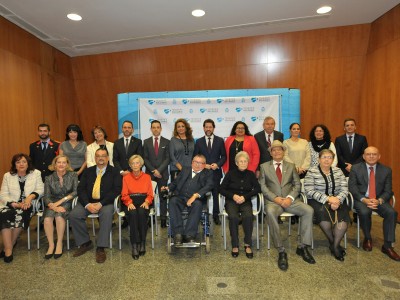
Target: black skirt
column 323, row 212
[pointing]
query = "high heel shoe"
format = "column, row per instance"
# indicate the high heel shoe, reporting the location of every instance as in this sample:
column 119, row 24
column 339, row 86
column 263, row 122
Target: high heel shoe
column 8, row 259
column 235, row 253
column 339, row 256
column 48, row 256
column 57, row 256
column 248, row 254
column 142, row 249
column 135, row 252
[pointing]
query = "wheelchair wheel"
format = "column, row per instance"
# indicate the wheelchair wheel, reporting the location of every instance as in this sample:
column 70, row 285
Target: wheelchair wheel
column 169, row 246
column 208, row 245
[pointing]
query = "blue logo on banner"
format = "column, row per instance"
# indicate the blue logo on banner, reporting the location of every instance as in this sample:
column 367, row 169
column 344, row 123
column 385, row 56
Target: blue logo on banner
column 226, row 109
column 253, row 99
column 243, row 119
column 254, row 118
column 238, row 109
column 151, row 120
column 191, row 111
column 219, row 120
column 151, row 102
column 220, row 100
column 185, row 101
column 167, row 111
column 203, row 110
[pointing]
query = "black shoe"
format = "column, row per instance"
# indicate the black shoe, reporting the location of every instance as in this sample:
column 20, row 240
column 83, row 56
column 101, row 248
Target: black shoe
column 124, row 224
column 235, row 254
column 190, row 239
column 337, row 254
column 280, row 220
column 283, row 261
column 305, row 254
column 142, row 249
column 163, row 223
column 178, row 240
column 135, row 252
column 8, row 259
column 248, row 254
column 57, row 256
column 216, row 220
column 48, row 256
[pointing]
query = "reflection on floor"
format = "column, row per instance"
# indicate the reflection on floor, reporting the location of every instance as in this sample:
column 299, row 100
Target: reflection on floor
column 193, row 274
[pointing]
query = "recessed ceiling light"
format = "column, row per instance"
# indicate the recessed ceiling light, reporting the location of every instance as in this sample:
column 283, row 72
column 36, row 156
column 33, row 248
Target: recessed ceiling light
column 198, row 13
column 324, row 9
column 74, row 17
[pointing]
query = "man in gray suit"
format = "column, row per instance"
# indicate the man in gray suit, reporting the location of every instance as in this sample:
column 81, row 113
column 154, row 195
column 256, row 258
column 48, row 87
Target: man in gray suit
column 280, row 185
column 371, row 186
column 156, row 160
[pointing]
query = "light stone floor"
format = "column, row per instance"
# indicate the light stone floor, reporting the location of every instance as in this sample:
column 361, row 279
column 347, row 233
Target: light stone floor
column 193, row 274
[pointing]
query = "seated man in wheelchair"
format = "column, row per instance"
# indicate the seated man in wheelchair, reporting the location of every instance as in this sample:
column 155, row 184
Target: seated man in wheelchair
column 188, row 190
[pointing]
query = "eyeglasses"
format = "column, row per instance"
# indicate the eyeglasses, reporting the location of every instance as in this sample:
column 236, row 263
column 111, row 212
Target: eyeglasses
column 198, row 162
column 326, row 157
column 102, row 156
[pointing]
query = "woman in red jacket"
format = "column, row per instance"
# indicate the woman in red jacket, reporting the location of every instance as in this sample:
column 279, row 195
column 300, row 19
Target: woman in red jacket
column 241, row 140
column 137, row 195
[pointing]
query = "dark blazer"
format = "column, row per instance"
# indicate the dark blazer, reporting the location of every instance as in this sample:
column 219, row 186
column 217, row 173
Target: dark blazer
column 110, row 187
column 343, row 151
column 358, row 181
column 263, row 145
column 120, row 158
column 217, row 154
column 159, row 162
column 204, row 182
column 41, row 161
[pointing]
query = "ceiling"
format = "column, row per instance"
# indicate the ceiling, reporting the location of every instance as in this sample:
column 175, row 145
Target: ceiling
column 119, row 25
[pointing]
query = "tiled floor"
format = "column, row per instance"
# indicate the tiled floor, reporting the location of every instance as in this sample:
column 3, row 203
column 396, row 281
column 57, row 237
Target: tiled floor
column 193, row 274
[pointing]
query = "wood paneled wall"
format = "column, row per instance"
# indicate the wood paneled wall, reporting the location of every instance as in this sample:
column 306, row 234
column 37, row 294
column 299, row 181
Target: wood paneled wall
column 380, row 93
column 36, row 86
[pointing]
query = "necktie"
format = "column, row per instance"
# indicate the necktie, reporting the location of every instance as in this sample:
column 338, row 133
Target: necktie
column 96, row 187
column 278, row 172
column 126, row 146
column 156, row 145
column 372, row 187
column 44, row 146
column 351, row 144
column 269, row 141
column 209, row 145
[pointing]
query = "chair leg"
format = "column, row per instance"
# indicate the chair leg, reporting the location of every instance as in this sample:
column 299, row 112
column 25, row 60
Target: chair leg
column 119, row 232
column 290, row 226
column 345, row 241
column 38, row 233
column 94, row 231
column 224, row 231
column 67, row 234
column 262, row 224
column 358, row 232
column 258, row 237
column 28, row 231
column 268, row 242
column 152, row 231
column 111, row 238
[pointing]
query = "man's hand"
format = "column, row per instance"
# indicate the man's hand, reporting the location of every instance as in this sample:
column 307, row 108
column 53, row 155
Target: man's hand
column 348, row 167
column 214, row 166
column 371, row 203
column 157, row 174
column 286, row 202
column 191, row 200
column 93, row 207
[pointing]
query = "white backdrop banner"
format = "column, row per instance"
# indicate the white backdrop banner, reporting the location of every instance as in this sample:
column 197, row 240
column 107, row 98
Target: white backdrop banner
column 225, row 111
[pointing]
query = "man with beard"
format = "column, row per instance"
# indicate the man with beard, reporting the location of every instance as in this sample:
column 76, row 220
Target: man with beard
column 43, row 151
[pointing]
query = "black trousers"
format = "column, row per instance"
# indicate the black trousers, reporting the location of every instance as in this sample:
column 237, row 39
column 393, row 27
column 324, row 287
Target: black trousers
column 137, row 220
column 246, row 210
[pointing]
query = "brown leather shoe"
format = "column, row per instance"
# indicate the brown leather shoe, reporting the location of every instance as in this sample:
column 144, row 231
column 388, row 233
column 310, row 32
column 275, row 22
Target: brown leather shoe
column 100, row 255
column 367, row 245
column 83, row 249
column 391, row 253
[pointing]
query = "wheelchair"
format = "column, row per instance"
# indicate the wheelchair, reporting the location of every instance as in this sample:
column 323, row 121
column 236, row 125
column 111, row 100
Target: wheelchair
column 204, row 222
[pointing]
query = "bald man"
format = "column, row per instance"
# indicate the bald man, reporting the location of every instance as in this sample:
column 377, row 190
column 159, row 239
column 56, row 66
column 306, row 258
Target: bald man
column 371, row 186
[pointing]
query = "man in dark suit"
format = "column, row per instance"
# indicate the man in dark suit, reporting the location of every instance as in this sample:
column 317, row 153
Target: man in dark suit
column 156, row 160
column 280, row 185
column 189, row 190
column 125, row 147
column 97, row 189
column 371, row 186
column 213, row 149
column 264, row 140
column 350, row 147
column 43, row 151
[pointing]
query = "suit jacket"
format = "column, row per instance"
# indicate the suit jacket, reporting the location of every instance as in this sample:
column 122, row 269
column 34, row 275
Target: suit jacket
column 343, row 151
column 121, row 158
column 217, row 154
column 42, row 160
column 11, row 191
column 204, row 182
column 153, row 161
column 263, row 145
column 110, row 187
column 270, row 186
column 359, row 181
